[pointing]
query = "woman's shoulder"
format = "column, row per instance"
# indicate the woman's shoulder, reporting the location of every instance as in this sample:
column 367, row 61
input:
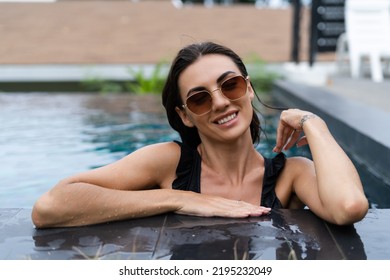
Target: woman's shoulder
column 157, row 162
column 163, row 150
column 168, row 146
column 282, row 163
column 298, row 162
column 296, row 166
column 160, row 155
column 295, row 169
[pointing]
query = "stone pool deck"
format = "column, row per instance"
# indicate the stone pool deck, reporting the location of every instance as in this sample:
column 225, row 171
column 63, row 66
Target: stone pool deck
column 282, row 235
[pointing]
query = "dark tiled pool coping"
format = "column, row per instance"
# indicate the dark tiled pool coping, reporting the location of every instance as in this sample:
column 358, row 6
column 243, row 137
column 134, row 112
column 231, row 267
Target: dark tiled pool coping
column 284, row 234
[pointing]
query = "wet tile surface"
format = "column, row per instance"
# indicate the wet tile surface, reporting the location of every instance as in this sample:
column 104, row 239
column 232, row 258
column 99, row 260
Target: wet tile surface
column 285, row 234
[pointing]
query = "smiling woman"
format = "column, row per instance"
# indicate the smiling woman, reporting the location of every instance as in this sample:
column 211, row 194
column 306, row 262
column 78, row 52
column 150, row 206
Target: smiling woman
column 215, row 170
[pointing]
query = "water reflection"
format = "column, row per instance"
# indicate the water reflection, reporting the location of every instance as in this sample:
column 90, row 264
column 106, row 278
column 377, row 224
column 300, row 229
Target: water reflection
column 281, row 235
column 126, row 123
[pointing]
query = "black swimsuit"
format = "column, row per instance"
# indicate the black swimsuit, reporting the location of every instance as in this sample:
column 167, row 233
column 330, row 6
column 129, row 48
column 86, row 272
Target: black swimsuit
column 189, row 169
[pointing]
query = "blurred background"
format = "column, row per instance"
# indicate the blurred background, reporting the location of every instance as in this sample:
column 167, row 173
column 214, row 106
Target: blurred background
column 144, row 31
column 64, row 65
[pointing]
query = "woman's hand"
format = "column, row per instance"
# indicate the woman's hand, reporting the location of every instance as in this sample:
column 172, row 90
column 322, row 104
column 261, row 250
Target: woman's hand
column 329, row 185
column 202, row 205
column 290, row 129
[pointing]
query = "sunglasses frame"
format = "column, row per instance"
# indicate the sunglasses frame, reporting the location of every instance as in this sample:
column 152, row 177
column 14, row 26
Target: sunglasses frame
column 220, row 89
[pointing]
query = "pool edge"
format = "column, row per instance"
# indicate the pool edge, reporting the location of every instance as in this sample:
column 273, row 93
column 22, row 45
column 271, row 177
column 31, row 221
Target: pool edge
column 358, row 128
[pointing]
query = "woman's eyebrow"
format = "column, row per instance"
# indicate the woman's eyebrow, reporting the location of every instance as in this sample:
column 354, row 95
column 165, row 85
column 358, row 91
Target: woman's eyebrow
column 196, row 89
column 219, row 80
column 222, row 77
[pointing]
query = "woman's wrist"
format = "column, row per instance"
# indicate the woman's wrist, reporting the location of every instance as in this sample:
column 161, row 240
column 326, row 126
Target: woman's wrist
column 314, row 126
column 306, row 118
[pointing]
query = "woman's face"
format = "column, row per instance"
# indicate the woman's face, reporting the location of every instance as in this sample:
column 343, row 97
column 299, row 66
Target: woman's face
column 227, row 120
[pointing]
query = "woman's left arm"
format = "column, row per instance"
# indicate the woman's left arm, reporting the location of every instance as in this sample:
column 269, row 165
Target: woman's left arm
column 333, row 190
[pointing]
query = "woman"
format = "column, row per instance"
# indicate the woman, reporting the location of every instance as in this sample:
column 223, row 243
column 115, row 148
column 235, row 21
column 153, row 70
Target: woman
column 216, row 170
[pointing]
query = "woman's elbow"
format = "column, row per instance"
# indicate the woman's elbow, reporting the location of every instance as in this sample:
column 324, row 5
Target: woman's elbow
column 352, row 211
column 44, row 213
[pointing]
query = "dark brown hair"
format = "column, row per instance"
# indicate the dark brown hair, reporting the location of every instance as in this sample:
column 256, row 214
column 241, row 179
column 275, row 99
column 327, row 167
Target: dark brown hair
column 171, row 93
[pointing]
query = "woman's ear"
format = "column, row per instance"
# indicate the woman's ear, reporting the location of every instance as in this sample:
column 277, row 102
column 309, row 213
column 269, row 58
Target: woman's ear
column 184, row 117
column 250, row 89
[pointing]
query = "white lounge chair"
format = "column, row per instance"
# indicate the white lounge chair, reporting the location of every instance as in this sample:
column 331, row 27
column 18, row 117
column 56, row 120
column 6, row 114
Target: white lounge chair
column 342, row 54
column 367, row 24
column 207, row 3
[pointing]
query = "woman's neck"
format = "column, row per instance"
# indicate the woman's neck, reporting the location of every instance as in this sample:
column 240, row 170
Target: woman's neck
column 232, row 160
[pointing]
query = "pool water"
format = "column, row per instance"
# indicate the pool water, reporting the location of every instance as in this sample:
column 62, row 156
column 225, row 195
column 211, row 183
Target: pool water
column 45, row 137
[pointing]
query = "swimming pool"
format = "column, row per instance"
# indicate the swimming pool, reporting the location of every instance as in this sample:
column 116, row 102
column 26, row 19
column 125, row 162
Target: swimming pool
column 45, row 137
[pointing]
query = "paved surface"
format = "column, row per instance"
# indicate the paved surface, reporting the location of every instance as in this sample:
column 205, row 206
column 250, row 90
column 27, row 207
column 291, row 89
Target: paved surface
column 363, row 90
column 325, row 75
column 284, row 234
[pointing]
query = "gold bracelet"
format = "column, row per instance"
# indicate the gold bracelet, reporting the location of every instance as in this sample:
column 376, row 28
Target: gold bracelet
column 305, row 118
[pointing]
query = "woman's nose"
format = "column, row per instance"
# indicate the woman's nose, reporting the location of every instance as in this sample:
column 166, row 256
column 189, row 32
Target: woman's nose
column 219, row 100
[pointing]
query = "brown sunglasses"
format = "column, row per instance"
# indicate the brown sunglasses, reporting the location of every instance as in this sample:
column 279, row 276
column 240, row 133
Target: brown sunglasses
column 200, row 102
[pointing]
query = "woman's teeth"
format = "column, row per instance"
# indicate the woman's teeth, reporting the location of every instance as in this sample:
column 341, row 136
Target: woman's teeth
column 228, row 118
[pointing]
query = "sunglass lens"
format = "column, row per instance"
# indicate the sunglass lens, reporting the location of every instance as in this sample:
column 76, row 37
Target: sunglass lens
column 234, row 88
column 199, row 103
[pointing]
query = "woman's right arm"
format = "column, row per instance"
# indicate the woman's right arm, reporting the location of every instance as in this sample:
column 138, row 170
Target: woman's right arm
column 139, row 185
column 124, row 189
column 86, row 204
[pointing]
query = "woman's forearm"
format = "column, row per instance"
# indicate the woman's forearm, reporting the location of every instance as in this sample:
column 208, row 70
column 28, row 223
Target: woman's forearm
column 339, row 185
column 79, row 204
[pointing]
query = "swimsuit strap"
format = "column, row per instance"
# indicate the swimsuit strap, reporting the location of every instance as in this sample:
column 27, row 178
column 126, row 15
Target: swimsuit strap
column 188, row 174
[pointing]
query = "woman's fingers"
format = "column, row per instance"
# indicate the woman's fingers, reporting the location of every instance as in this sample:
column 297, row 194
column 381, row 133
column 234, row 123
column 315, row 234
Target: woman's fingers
column 295, row 134
column 289, row 131
column 282, row 134
column 213, row 206
column 242, row 209
column 236, row 209
column 302, row 142
column 286, row 137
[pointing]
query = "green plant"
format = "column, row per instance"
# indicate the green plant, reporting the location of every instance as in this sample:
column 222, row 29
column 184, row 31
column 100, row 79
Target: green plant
column 147, row 84
column 139, row 82
column 97, row 84
column 261, row 78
